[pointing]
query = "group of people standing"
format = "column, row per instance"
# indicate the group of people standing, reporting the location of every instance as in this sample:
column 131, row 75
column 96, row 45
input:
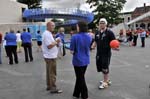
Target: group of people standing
column 80, row 49
column 81, row 44
column 131, row 36
column 14, row 42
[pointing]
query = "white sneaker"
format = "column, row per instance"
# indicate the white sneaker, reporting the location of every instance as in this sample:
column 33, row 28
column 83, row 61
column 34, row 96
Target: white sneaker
column 108, row 82
column 103, row 85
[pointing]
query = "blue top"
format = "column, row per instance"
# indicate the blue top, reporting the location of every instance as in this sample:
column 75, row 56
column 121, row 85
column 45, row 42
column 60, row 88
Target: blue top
column 26, row 37
column 143, row 34
column 39, row 37
column 11, row 39
column 62, row 36
column 80, row 45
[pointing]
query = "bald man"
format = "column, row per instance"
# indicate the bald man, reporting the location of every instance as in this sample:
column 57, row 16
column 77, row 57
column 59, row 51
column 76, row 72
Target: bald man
column 61, row 35
column 50, row 51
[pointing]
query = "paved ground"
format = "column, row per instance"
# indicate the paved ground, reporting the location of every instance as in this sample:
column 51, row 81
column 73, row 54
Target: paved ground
column 130, row 75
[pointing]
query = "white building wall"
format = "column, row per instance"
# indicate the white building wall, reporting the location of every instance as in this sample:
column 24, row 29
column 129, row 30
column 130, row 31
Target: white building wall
column 10, row 11
column 126, row 18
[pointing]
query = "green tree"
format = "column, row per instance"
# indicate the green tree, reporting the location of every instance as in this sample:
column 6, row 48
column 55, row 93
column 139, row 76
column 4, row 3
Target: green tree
column 109, row 9
column 31, row 3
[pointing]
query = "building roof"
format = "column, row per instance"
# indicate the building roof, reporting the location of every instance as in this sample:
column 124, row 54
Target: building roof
column 126, row 13
column 143, row 9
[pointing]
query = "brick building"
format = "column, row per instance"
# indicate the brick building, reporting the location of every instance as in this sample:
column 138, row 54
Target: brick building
column 144, row 23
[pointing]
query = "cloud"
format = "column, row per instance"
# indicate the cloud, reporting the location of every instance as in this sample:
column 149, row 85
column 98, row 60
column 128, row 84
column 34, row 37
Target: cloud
column 132, row 4
column 61, row 3
column 129, row 6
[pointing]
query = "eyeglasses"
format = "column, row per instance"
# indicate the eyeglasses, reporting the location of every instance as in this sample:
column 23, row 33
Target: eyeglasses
column 101, row 23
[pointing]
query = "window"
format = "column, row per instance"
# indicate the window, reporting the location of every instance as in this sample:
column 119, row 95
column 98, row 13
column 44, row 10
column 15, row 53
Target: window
column 128, row 19
column 142, row 25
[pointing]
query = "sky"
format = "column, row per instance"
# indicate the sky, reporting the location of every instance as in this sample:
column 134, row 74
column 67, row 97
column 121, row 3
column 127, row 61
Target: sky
column 132, row 4
column 129, row 6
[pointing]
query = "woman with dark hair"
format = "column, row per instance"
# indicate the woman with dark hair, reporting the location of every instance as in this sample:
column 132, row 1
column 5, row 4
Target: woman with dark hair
column 80, row 48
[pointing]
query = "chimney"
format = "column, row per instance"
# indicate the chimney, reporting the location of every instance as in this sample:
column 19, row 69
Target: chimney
column 144, row 7
column 144, row 4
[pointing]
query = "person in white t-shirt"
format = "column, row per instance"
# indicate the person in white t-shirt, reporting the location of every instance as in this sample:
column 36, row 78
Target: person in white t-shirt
column 143, row 36
column 60, row 48
column 50, row 51
column 19, row 41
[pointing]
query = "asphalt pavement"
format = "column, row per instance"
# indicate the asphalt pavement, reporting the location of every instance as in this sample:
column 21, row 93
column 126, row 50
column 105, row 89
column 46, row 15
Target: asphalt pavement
column 129, row 72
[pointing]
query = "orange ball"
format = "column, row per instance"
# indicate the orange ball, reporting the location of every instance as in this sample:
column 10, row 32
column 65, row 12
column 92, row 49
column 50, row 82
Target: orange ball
column 114, row 44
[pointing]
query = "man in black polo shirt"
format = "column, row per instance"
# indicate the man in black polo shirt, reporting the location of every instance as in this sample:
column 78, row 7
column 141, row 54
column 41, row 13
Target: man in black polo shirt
column 103, row 37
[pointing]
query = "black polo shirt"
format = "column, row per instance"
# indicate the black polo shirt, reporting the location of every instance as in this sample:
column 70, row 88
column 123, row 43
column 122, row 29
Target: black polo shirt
column 103, row 41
